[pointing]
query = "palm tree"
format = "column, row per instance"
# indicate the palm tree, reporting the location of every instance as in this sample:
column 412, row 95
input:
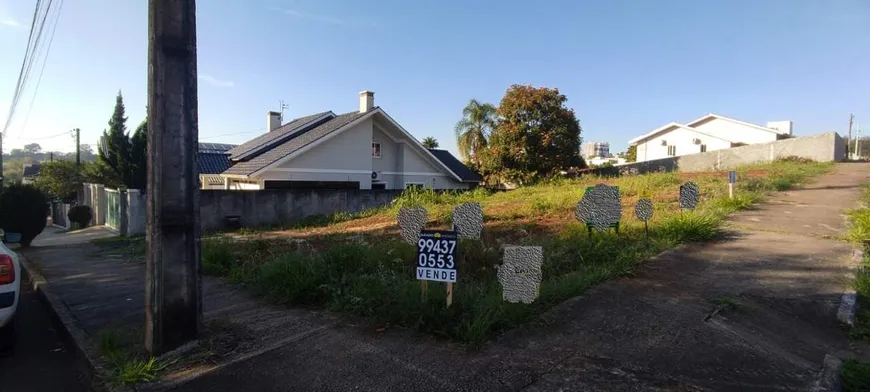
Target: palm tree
column 430, row 142
column 478, row 121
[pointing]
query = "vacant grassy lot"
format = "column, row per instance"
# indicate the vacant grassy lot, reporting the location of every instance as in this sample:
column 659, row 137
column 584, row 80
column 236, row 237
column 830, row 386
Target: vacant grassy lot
column 356, row 263
column 856, row 375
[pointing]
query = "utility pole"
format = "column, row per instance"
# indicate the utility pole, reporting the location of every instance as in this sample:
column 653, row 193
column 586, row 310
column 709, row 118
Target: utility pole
column 857, row 139
column 851, row 117
column 78, row 148
column 173, row 297
column 1, row 161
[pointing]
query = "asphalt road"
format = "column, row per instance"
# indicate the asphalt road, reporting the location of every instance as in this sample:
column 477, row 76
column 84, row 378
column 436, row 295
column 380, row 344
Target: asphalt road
column 39, row 362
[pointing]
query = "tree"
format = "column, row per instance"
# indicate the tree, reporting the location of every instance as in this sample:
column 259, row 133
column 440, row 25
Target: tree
column 23, row 210
column 631, row 154
column 430, row 142
column 472, row 132
column 536, row 135
column 97, row 172
column 139, row 156
column 32, row 148
column 59, row 179
column 115, row 149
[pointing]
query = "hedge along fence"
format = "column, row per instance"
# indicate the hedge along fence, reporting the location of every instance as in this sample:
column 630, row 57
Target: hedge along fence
column 374, row 275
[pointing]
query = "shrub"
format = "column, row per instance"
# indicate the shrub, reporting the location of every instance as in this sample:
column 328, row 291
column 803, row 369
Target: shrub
column 80, row 215
column 794, row 159
column 23, row 209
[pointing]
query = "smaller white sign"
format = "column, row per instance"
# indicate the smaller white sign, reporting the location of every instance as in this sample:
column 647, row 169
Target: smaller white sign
column 436, row 274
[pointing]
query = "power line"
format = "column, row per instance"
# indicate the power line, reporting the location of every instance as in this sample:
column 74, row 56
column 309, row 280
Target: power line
column 44, row 61
column 27, row 62
column 46, row 137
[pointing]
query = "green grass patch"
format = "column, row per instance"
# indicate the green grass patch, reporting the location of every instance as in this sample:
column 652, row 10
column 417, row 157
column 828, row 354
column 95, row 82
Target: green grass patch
column 375, row 278
column 133, row 246
column 856, row 376
column 859, row 234
column 126, row 366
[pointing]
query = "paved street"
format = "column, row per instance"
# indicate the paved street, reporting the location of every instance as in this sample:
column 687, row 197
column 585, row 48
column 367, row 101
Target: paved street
column 40, row 361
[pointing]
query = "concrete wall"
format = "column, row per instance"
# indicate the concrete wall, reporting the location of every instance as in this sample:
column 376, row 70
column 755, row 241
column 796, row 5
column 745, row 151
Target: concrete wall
column 94, row 195
column 269, row 207
column 824, row 147
column 59, row 215
column 130, row 208
column 135, row 214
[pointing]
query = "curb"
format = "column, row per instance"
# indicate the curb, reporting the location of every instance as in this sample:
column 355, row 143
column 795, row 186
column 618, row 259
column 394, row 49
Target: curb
column 849, row 304
column 829, row 376
column 69, row 329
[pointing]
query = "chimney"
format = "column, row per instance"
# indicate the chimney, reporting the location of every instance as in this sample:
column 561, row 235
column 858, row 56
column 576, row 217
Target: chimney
column 273, row 121
column 366, row 100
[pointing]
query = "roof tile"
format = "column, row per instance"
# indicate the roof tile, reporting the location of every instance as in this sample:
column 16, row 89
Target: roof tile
column 296, row 142
column 274, row 136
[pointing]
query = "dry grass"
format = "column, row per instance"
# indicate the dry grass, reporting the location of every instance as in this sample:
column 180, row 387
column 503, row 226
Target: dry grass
column 355, row 263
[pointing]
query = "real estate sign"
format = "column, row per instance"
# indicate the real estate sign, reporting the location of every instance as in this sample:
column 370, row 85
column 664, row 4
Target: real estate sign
column 436, row 255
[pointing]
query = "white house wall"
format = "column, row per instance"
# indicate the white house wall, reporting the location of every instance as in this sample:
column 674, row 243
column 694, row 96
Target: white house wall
column 415, row 163
column 736, row 132
column 389, row 152
column 344, row 157
column 682, row 138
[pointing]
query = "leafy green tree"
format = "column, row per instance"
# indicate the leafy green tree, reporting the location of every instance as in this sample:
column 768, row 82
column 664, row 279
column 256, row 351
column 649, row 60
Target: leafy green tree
column 139, row 157
column 23, row 210
column 97, row 172
column 32, row 148
column 472, row 132
column 631, row 154
column 536, row 135
column 59, row 179
column 430, row 142
column 115, row 149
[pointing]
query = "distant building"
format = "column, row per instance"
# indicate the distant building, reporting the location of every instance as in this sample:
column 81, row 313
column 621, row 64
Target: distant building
column 596, row 149
column 31, row 171
column 708, row 133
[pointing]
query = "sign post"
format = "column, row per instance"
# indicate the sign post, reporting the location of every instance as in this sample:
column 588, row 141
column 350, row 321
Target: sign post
column 732, row 179
column 436, row 259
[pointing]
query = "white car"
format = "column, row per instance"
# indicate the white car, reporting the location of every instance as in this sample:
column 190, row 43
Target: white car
column 10, row 290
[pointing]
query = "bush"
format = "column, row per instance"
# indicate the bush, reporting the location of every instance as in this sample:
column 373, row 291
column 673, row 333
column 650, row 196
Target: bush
column 23, row 209
column 80, row 215
column 794, row 159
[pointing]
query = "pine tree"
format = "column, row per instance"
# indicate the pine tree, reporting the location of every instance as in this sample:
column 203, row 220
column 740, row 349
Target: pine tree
column 115, row 149
column 139, row 156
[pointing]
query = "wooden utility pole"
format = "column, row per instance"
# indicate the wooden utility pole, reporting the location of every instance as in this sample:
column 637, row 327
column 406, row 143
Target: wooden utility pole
column 78, row 148
column 851, row 117
column 173, row 304
column 1, row 161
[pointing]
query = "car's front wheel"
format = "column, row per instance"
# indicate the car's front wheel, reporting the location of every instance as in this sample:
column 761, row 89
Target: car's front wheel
column 7, row 337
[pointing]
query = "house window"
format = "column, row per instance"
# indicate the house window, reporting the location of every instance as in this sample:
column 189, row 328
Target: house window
column 379, row 185
column 672, row 151
column 376, row 150
column 703, row 148
column 413, row 185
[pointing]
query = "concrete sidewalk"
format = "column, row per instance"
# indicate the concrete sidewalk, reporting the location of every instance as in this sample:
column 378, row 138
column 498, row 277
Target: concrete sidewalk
column 657, row 331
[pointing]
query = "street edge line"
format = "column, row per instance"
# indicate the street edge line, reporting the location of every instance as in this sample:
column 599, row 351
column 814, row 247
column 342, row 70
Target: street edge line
column 849, row 303
column 70, row 330
column 829, row 376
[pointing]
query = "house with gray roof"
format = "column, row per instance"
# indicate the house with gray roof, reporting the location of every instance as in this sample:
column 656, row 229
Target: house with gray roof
column 364, row 149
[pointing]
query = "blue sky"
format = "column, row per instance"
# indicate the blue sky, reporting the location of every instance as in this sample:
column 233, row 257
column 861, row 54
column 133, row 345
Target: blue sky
column 627, row 67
